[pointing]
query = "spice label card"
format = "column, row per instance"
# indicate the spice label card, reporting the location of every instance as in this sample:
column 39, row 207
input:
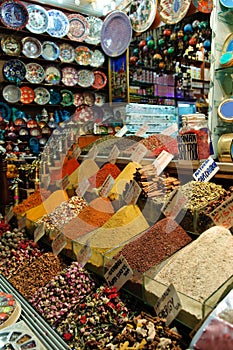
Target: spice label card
column 206, row 171
column 58, row 243
column 9, row 215
column 138, row 154
column 93, row 152
column 84, row 254
column 22, row 222
column 168, row 306
column 223, row 214
column 121, row 132
column 132, row 194
column 39, row 232
column 82, row 187
column 119, row 273
column 170, row 130
column 174, row 205
column 107, row 186
column 141, row 131
column 113, row 154
column 162, row 161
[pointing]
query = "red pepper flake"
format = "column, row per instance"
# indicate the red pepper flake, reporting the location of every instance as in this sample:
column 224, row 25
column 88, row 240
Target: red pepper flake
column 67, row 336
column 83, row 319
column 111, row 305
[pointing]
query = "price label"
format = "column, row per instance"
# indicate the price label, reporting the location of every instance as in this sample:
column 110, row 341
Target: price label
column 119, row 273
column 82, row 187
column 107, row 186
column 162, row 161
column 76, row 152
column 84, row 254
column 22, row 222
column 138, row 153
column 39, row 232
column 121, row 132
column 93, row 152
column 169, row 305
column 58, row 243
column 113, row 154
column 170, row 130
column 223, row 214
column 141, row 131
column 9, row 215
column 175, row 203
column 206, row 171
column 133, row 193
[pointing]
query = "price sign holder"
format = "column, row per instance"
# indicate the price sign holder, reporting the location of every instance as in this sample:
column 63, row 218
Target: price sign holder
column 206, row 171
column 133, row 193
column 107, row 186
column 119, row 273
column 174, row 204
column 162, row 161
column 223, row 214
column 58, row 243
column 9, row 215
column 22, row 222
column 84, row 254
column 39, row 232
column 82, row 187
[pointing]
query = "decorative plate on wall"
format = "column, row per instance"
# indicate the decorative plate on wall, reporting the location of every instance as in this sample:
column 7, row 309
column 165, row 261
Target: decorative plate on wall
column 11, row 93
column 42, row 96
column 228, row 43
column 205, row 6
column 52, row 75
column 34, row 73
column 67, row 53
column 95, row 26
column 225, row 110
column 14, row 70
column 100, row 80
column 14, row 14
column 78, row 27
column 55, row 97
column 70, row 76
column 58, row 24
column 85, row 78
column 38, row 19
column 50, row 51
column 31, row 47
column 78, row 99
column 97, row 58
column 83, row 55
column 67, row 97
column 11, row 45
column 173, row 11
column 142, row 14
column 116, row 33
column 27, row 94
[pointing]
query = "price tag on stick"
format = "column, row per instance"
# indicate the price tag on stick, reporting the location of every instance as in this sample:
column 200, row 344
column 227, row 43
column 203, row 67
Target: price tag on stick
column 119, row 273
column 58, row 243
column 223, row 214
column 39, row 232
column 84, row 254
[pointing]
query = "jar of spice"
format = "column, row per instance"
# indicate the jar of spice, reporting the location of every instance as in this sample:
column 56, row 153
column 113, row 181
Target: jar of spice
column 194, row 138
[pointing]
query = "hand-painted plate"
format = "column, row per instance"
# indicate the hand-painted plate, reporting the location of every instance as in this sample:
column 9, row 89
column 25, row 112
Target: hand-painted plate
column 89, row 98
column 58, row 24
column 11, row 93
column 38, row 19
column 11, row 45
column 83, row 113
column 99, row 99
column 14, row 70
column 70, row 76
column 97, row 58
column 142, row 14
column 67, row 98
column 52, row 75
column 31, row 47
column 78, row 27
column 95, row 26
column 228, row 44
column 85, row 78
column 116, row 33
column 100, row 80
column 67, row 53
column 55, row 97
column 83, row 55
column 173, row 11
column 205, row 6
column 78, row 99
column 50, row 51
column 27, row 95
column 5, row 111
column 34, row 73
column 14, row 14
column 42, row 96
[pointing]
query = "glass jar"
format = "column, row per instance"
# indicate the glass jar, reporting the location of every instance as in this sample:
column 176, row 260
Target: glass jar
column 194, row 138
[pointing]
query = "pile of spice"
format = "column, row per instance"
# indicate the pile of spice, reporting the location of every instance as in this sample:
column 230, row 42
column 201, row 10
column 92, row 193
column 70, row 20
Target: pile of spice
column 107, row 140
column 94, row 215
column 159, row 142
column 35, row 199
column 68, row 167
column 96, row 320
column 146, row 332
column 166, row 235
column 63, row 293
column 30, row 278
column 98, row 179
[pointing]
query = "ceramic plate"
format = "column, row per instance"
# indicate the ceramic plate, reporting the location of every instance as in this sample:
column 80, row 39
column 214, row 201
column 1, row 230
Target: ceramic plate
column 89, row 98
column 58, row 24
column 79, row 27
column 83, row 113
column 97, row 58
column 67, row 98
column 228, row 44
column 38, row 19
column 205, row 6
column 50, row 51
column 95, row 26
column 34, row 73
column 11, row 93
column 116, row 33
column 14, row 70
column 142, row 14
column 11, row 45
column 67, row 53
column 27, row 94
column 31, row 47
column 78, row 99
column 14, row 14
column 83, row 55
column 173, row 11
column 99, row 99
column 55, row 97
column 70, row 76
column 227, row 3
column 42, row 96
column 85, row 78
column 52, row 75
column 5, row 111
column 225, row 110
column 100, row 80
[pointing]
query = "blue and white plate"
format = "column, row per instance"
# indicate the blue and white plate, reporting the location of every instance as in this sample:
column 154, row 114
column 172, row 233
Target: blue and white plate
column 38, row 19
column 67, row 53
column 35, row 73
column 50, row 51
column 58, row 24
column 14, row 14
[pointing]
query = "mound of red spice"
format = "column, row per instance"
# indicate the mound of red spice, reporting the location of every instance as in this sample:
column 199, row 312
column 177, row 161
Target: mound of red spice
column 98, row 179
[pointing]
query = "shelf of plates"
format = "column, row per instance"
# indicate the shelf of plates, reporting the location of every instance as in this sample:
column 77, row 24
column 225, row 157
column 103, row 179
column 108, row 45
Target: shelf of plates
column 52, row 68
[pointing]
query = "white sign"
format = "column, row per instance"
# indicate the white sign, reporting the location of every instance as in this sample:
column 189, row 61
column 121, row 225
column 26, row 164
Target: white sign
column 84, row 254
column 82, row 187
column 169, row 305
column 175, row 203
column 162, row 161
column 138, row 153
column 170, row 130
column 133, row 193
column 141, row 132
column 223, row 214
column 122, row 131
column 206, row 171
column 113, row 154
column 39, row 232
column 119, row 273
column 107, row 186
column 93, row 152
column 58, row 243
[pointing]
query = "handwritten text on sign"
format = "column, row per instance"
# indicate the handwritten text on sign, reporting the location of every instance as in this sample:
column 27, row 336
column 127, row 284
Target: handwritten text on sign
column 58, row 243
column 118, row 273
column 206, row 171
column 223, row 214
column 39, row 232
column 175, row 203
column 162, row 161
column 141, row 132
column 107, row 186
column 138, row 153
column 169, row 305
column 133, row 193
